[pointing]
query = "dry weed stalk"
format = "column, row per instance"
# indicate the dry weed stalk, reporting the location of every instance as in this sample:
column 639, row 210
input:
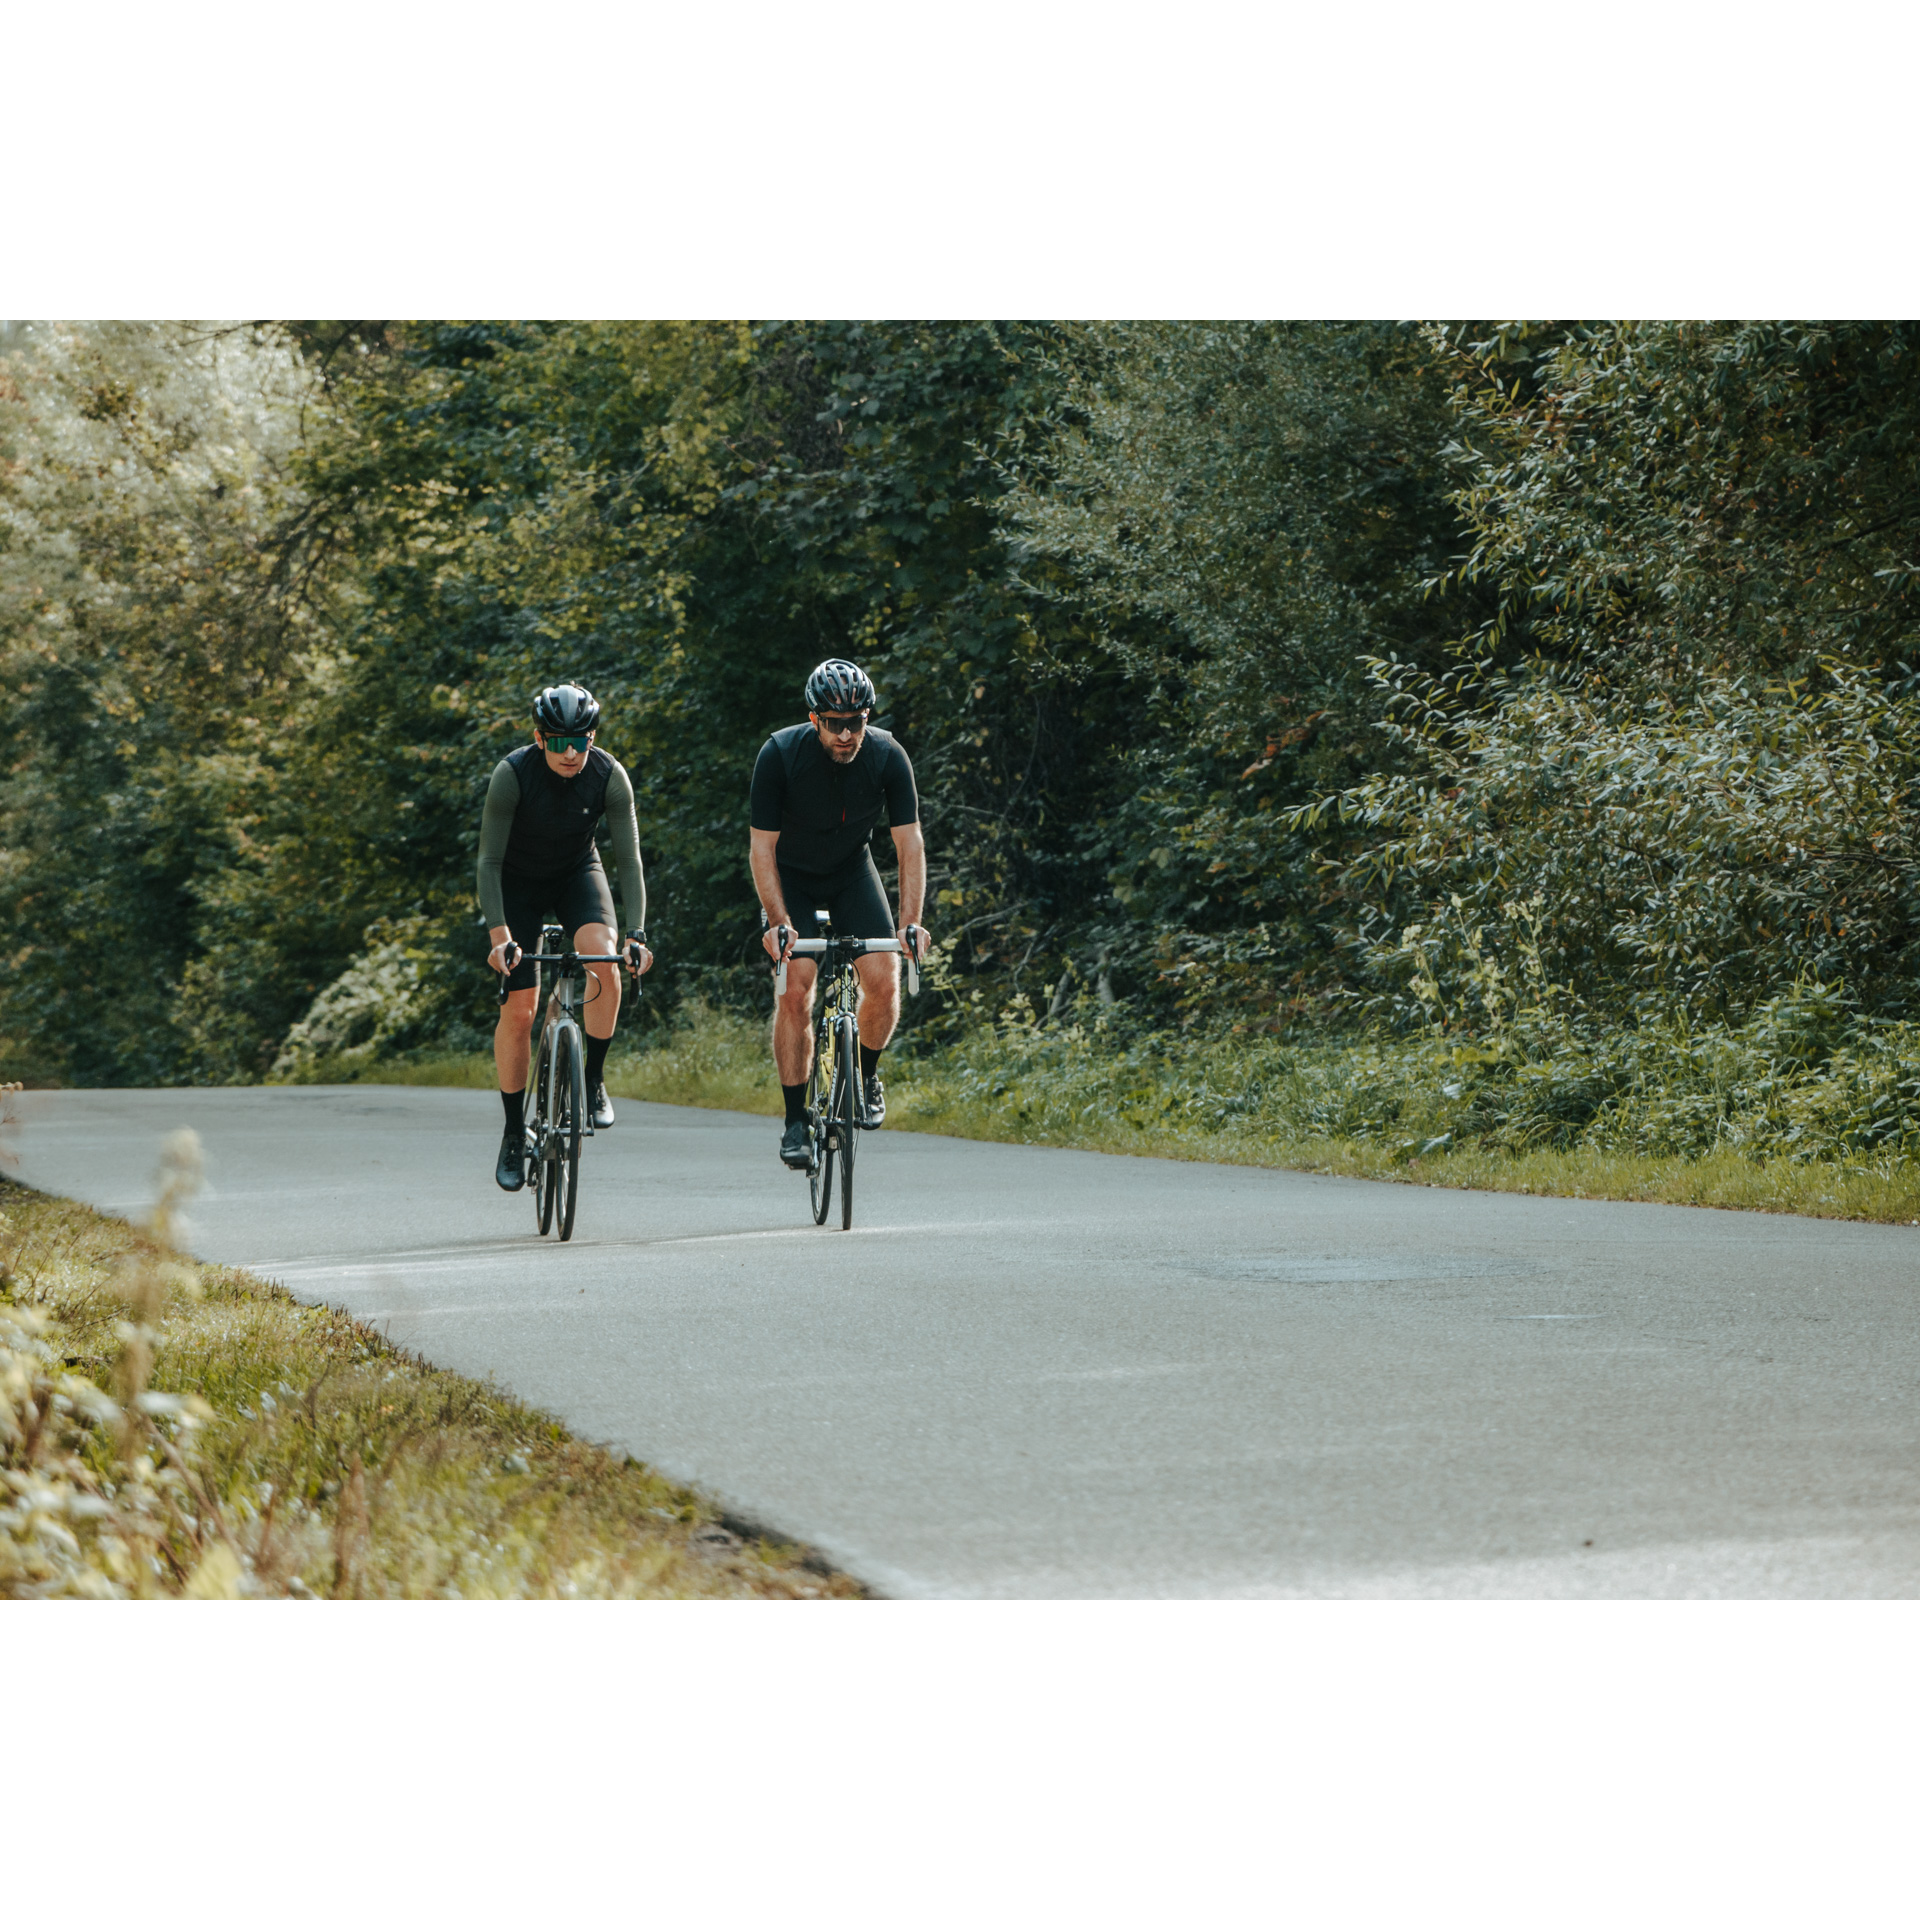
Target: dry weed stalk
column 352, row 1533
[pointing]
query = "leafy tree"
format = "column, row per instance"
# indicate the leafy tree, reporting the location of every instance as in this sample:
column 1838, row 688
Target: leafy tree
column 686, row 518
column 1250, row 510
column 1689, row 497
column 161, row 602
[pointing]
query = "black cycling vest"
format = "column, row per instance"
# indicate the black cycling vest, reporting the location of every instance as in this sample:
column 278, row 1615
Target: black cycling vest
column 554, row 822
column 829, row 811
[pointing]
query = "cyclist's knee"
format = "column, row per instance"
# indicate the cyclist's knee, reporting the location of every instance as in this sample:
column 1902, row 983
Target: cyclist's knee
column 797, row 1002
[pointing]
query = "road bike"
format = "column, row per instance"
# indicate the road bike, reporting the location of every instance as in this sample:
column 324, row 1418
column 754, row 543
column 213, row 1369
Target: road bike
column 558, row 1120
column 836, row 1104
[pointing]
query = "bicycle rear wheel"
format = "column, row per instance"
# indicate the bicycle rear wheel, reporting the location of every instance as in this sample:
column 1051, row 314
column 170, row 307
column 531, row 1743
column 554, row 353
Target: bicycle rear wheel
column 820, row 1176
column 847, row 1113
column 569, row 1122
column 539, row 1133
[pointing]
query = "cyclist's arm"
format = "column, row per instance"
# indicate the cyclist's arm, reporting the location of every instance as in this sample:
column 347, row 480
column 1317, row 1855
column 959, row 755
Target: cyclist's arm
column 903, row 820
column 766, row 808
column 896, row 783
column 624, row 825
column 912, row 850
column 763, row 856
column 496, row 826
column 767, row 795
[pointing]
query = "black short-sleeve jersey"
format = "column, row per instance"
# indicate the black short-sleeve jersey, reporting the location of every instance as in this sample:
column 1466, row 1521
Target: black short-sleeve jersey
column 822, row 811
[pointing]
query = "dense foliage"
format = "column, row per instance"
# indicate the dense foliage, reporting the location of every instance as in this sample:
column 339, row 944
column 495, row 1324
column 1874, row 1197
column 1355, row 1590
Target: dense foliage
column 1699, row 764
column 1544, row 688
column 1248, row 513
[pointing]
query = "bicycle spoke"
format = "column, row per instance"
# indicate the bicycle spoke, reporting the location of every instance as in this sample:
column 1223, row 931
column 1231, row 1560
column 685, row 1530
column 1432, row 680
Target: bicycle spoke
column 538, row 1137
column 849, row 1091
column 820, row 1180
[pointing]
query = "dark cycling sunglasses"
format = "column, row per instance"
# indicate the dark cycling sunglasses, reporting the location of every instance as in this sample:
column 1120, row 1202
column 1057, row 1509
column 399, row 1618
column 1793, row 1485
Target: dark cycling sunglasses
column 843, row 722
column 568, row 742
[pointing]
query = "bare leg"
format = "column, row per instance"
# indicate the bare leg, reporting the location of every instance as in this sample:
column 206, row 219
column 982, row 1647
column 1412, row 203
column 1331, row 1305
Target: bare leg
column 793, row 1024
column 513, row 1039
column 602, row 1007
column 879, row 998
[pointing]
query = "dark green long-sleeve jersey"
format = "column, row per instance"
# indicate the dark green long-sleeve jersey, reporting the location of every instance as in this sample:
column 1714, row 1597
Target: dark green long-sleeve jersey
column 499, row 853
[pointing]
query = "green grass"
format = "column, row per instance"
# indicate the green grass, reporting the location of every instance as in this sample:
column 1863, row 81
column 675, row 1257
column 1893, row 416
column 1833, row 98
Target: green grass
column 172, row 1428
column 1398, row 1111
column 1862, row 1191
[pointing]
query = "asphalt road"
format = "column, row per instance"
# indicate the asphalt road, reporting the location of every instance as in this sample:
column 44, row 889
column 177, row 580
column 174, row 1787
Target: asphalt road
column 1043, row 1373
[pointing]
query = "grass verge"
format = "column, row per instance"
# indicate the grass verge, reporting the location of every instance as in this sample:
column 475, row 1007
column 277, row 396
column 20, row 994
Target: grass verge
column 1865, row 1191
column 709, row 1058
column 1228, row 1101
column 169, row 1428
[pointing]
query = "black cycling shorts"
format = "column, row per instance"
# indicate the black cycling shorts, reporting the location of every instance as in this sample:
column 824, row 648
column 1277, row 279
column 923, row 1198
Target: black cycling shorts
column 851, row 893
column 575, row 899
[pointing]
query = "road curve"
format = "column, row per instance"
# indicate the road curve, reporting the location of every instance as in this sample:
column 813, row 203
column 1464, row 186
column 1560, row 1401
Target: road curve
column 1044, row 1373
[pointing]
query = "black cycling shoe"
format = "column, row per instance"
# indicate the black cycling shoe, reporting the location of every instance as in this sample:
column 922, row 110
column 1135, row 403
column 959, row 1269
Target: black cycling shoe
column 796, row 1145
column 512, row 1170
column 873, row 1097
column 599, row 1108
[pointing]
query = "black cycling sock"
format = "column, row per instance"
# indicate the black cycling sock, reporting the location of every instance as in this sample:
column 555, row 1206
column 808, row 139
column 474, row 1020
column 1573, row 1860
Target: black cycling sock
column 869, row 1059
column 796, row 1099
column 597, row 1059
column 516, row 1106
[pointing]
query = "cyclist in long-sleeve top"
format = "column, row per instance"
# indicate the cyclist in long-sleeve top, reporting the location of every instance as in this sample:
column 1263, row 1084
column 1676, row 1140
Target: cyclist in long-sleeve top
column 537, row 857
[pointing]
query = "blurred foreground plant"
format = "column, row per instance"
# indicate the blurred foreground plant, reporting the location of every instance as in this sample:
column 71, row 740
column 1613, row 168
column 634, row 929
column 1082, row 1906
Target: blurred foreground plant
column 87, row 1519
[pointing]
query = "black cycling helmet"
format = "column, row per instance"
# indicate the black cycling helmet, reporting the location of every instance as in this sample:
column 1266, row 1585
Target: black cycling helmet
column 565, row 709
column 838, row 686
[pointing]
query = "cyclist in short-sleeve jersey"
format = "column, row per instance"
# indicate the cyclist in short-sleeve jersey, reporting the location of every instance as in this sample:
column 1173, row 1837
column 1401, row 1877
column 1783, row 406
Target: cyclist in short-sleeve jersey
column 818, row 792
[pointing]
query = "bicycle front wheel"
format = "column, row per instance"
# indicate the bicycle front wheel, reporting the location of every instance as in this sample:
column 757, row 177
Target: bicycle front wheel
column 847, row 1114
column 540, row 1134
column 569, row 1123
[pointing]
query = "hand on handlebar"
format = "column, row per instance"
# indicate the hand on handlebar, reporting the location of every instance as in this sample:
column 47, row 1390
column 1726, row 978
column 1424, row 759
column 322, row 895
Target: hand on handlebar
column 636, row 953
column 915, row 940
column 504, row 958
column 777, row 940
